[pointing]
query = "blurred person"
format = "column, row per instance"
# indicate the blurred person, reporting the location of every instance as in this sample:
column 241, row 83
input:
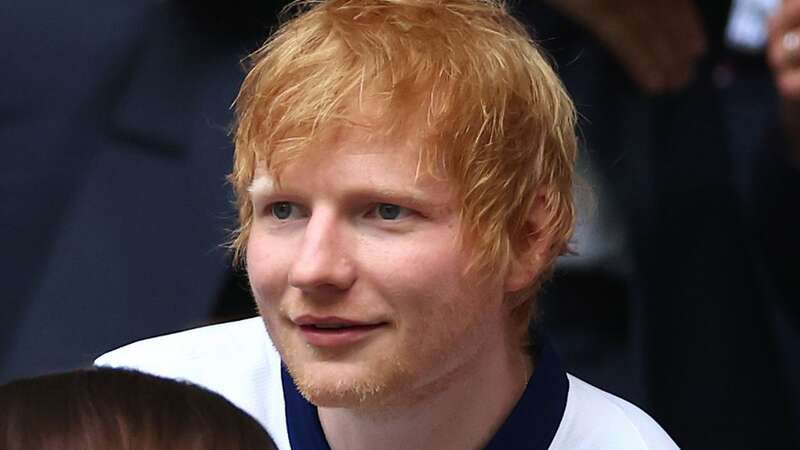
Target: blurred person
column 113, row 199
column 102, row 409
column 784, row 58
column 404, row 174
column 779, row 192
column 687, row 133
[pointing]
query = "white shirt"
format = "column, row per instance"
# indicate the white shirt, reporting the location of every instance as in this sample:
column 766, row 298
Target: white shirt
column 238, row 361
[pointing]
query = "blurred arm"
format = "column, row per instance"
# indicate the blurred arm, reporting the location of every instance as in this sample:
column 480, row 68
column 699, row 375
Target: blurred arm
column 784, row 59
column 656, row 41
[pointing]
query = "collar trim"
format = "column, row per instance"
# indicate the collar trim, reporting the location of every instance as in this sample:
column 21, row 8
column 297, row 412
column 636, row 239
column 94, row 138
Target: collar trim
column 532, row 424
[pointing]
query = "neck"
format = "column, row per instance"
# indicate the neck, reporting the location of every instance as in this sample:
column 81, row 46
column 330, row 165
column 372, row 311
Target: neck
column 475, row 401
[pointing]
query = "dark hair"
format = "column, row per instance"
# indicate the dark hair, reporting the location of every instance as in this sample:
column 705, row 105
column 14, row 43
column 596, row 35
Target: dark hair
column 105, row 408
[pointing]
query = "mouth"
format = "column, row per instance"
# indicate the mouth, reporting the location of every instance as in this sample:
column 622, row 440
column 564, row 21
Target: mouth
column 335, row 331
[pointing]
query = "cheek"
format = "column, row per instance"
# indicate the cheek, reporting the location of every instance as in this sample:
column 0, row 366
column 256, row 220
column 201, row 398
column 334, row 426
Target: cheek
column 421, row 274
column 267, row 267
column 429, row 287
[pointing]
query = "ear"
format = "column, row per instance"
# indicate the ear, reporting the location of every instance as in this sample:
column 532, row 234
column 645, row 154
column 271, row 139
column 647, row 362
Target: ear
column 532, row 251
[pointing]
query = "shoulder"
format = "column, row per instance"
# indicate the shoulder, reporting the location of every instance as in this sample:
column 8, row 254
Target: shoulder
column 235, row 359
column 178, row 355
column 594, row 419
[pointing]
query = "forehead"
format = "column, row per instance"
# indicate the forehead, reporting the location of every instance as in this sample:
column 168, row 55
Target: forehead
column 392, row 155
column 355, row 156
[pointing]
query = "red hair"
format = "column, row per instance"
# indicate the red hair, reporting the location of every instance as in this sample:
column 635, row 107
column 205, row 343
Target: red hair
column 462, row 74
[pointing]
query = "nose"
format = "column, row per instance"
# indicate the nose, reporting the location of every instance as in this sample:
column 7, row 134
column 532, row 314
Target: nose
column 323, row 260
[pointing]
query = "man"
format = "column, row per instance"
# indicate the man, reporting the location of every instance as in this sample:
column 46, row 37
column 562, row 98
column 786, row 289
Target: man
column 404, row 173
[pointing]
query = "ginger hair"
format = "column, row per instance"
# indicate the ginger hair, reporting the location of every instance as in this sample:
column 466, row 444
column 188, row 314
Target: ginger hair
column 463, row 74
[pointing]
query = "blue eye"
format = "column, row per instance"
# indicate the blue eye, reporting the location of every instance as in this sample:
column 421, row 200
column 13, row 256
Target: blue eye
column 388, row 211
column 282, row 210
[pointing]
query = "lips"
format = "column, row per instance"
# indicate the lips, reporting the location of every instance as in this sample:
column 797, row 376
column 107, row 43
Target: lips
column 329, row 326
column 333, row 331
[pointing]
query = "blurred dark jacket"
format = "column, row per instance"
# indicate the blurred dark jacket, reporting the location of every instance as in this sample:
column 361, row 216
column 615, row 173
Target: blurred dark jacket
column 114, row 207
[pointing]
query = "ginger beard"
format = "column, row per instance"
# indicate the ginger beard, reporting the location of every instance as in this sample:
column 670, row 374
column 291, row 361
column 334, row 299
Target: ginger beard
column 333, row 255
column 416, row 359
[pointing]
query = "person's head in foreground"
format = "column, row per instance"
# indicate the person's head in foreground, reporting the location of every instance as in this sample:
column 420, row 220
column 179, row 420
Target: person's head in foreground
column 404, row 172
column 103, row 409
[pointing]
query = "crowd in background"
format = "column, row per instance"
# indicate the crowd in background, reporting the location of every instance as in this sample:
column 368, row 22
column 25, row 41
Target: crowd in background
column 684, row 298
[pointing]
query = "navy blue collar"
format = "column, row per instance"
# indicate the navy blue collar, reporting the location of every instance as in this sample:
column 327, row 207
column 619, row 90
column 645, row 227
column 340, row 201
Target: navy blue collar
column 532, row 424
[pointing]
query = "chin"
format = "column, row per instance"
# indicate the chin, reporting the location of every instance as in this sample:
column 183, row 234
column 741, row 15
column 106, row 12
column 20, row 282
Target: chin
column 328, row 384
column 325, row 388
column 341, row 396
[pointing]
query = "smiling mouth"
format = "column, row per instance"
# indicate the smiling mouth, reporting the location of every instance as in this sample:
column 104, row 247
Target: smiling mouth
column 338, row 334
column 331, row 327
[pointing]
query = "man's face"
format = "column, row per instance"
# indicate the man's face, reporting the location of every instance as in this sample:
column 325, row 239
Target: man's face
column 356, row 269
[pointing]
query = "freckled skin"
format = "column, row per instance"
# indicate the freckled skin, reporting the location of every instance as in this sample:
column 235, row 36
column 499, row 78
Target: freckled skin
column 340, row 251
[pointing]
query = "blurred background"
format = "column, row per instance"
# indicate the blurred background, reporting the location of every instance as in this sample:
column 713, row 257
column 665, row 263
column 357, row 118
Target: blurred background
column 685, row 295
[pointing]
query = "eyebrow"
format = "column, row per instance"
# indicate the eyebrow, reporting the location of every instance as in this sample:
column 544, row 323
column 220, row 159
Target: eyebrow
column 261, row 185
column 264, row 186
column 411, row 195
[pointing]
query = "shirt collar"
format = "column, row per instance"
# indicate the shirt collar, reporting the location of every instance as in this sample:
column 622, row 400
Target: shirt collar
column 532, row 424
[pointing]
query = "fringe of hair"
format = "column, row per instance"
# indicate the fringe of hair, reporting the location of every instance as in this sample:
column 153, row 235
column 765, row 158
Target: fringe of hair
column 463, row 75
